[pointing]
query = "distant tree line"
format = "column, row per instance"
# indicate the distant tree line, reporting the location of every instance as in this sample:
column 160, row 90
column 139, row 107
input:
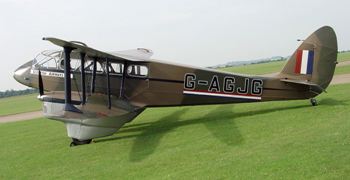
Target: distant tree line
column 344, row 51
column 270, row 60
column 12, row 92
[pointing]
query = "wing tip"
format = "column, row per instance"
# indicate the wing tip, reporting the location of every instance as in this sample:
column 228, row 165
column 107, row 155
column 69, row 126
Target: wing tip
column 46, row 38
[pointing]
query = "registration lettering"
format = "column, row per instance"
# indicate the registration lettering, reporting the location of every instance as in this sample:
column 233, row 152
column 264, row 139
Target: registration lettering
column 227, row 86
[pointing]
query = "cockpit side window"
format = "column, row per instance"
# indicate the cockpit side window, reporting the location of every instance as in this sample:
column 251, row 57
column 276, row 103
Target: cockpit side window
column 48, row 59
column 137, row 70
column 74, row 64
column 54, row 60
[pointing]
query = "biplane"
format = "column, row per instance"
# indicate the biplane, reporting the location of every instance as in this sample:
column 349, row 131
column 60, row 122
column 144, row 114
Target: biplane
column 95, row 93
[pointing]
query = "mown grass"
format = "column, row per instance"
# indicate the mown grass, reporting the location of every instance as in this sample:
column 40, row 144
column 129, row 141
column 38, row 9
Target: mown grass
column 271, row 140
column 345, row 56
column 257, row 69
column 19, row 104
column 274, row 67
column 342, row 70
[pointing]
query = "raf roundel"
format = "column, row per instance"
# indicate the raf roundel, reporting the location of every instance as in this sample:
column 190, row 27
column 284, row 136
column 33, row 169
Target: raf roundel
column 304, row 62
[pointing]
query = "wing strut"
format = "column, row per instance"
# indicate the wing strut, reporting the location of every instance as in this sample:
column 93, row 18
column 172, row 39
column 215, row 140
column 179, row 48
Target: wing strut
column 41, row 86
column 108, row 84
column 121, row 92
column 94, row 75
column 67, row 82
column 82, row 62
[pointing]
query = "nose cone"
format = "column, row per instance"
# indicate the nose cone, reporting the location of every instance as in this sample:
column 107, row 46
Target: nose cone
column 22, row 74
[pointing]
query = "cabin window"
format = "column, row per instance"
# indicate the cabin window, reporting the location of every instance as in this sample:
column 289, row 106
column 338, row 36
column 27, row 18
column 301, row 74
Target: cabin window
column 116, row 68
column 137, row 70
column 89, row 67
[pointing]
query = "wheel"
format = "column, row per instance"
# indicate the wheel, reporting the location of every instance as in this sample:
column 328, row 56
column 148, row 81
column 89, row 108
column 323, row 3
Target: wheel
column 77, row 142
column 313, row 102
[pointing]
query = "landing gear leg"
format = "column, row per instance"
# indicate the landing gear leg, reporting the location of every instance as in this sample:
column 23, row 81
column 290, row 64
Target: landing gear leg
column 76, row 142
column 313, row 102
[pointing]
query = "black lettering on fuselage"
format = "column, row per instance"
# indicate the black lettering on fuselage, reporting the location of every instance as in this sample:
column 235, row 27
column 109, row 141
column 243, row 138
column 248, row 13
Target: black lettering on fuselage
column 257, row 86
column 245, row 88
column 229, row 84
column 190, row 81
column 214, row 84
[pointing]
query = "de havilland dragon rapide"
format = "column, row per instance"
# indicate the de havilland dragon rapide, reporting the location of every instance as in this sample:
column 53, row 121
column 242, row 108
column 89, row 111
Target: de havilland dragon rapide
column 94, row 93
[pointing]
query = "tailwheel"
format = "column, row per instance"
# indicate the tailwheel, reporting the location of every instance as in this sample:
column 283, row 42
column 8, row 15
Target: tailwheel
column 313, row 102
column 77, row 142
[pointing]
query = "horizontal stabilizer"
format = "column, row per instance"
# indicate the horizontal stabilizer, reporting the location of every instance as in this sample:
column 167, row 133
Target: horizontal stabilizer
column 314, row 87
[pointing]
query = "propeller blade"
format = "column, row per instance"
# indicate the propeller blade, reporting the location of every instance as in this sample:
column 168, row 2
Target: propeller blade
column 41, row 86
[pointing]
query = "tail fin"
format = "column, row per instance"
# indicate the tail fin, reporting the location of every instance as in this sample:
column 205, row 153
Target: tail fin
column 315, row 59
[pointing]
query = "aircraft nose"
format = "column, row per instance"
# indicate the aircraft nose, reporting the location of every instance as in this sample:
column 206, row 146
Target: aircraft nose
column 22, row 74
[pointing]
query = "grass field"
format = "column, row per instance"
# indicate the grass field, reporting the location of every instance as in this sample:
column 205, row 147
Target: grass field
column 19, row 104
column 278, row 140
column 342, row 70
column 344, row 56
column 257, row 69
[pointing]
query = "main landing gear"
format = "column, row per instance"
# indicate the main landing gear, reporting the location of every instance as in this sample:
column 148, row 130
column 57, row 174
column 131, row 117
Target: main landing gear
column 313, row 102
column 77, row 142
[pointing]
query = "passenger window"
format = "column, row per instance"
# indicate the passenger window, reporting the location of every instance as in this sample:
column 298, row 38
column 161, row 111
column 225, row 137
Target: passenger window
column 137, row 70
column 99, row 68
column 116, row 68
column 89, row 67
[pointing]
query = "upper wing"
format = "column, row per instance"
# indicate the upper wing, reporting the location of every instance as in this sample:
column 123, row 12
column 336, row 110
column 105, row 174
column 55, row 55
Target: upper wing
column 121, row 56
column 139, row 53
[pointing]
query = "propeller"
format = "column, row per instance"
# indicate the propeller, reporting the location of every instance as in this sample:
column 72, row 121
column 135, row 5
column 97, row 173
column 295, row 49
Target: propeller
column 41, row 86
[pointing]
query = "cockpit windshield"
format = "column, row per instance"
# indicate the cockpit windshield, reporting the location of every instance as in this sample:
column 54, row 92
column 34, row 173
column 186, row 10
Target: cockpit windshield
column 48, row 59
column 54, row 60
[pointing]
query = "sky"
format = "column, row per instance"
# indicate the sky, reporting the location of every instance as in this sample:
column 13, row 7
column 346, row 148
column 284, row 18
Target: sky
column 198, row 33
